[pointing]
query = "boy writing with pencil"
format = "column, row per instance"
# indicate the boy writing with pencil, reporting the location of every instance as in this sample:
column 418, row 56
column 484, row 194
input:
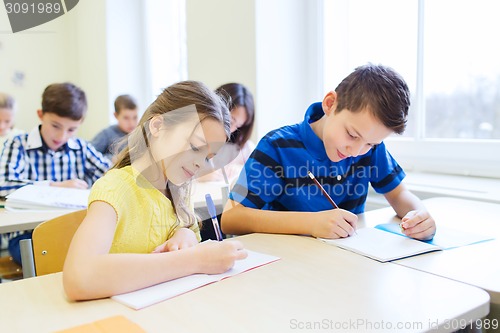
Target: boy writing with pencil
column 340, row 143
column 50, row 155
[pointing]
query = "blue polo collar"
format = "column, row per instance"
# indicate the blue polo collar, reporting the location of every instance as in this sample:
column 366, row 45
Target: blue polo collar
column 313, row 143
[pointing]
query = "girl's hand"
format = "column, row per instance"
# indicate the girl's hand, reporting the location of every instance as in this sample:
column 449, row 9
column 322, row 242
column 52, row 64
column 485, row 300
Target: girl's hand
column 419, row 225
column 334, row 223
column 218, row 257
column 182, row 239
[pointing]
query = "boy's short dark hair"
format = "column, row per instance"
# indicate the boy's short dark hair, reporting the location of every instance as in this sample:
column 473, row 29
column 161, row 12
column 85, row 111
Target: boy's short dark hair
column 125, row 102
column 65, row 100
column 380, row 89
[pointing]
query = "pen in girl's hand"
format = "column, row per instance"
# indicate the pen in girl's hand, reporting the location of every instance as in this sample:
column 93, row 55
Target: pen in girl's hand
column 213, row 216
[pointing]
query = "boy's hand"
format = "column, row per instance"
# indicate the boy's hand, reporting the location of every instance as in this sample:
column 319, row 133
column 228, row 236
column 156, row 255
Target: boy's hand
column 182, row 239
column 335, row 223
column 418, row 224
column 72, row 183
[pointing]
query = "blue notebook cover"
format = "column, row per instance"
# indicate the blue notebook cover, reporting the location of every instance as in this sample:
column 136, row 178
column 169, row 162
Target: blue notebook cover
column 445, row 238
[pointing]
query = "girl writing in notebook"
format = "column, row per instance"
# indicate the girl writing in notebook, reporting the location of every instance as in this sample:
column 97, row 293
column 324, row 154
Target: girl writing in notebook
column 140, row 228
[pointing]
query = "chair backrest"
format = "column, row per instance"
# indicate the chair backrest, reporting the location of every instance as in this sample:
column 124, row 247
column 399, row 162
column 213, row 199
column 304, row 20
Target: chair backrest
column 51, row 241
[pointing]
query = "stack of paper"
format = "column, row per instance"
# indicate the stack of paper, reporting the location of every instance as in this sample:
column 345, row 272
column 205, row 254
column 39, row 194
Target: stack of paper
column 34, row 197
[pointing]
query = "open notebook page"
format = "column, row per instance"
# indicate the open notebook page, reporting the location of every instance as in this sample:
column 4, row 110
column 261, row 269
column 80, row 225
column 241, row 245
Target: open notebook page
column 47, row 197
column 381, row 245
column 148, row 296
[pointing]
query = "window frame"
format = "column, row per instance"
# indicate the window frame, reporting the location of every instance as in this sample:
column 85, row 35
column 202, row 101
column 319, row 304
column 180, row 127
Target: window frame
column 472, row 157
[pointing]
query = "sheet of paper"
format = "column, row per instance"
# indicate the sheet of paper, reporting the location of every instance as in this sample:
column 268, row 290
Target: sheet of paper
column 381, row 245
column 445, row 238
column 148, row 296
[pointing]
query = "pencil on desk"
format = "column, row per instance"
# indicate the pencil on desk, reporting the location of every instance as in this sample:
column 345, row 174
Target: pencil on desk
column 309, row 173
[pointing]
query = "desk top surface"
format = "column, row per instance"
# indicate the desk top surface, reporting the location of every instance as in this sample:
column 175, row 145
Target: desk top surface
column 475, row 264
column 313, row 284
column 18, row 221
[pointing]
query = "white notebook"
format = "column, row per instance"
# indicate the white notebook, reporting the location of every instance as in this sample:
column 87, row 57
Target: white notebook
column 34, row 197
column 148, row 296
column 381, row 245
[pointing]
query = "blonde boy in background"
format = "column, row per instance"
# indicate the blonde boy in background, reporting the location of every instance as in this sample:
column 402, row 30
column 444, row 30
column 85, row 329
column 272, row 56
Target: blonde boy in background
column 7, row 115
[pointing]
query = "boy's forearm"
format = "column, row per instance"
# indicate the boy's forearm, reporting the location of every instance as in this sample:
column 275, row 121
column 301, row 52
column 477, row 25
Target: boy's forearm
column 238, row 219
column 403, row 201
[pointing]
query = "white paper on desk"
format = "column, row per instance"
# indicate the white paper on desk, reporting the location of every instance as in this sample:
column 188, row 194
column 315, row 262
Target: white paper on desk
column 381, row 245
column 47, row 197
column 445, row 238
column 148, row 296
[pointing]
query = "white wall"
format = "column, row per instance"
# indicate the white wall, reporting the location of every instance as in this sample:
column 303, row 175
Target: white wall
column 125, row 53
column 266, row 45
column 100, row 46
column 288, row 78
column 88, row 51
column 40, row 55
column 221, row 42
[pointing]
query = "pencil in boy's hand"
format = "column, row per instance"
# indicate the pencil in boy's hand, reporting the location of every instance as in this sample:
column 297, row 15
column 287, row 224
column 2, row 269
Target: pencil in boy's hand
column 309, row 173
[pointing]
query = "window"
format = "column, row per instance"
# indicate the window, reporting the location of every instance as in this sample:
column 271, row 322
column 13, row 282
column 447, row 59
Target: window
column 165, row 38
column 447, row 53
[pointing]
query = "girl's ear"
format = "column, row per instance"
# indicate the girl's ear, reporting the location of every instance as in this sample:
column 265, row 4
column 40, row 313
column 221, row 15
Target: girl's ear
column 329, row 103
column 155, row 125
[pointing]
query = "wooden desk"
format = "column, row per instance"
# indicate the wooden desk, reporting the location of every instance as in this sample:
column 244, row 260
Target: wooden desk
column 312, row 283
column 475, row 264
column 19, row 221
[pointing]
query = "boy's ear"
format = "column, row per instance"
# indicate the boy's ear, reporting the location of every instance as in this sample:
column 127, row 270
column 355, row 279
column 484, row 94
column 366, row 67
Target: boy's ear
column 155, row 125
column 39, row 113
column 329, row 103
column 116, row 115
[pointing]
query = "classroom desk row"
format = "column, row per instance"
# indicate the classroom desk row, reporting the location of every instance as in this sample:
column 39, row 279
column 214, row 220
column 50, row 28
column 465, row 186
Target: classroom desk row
column 314, row 287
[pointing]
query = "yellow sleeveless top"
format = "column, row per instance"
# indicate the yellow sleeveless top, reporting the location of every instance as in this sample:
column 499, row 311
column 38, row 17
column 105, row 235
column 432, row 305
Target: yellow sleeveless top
column 145, row 217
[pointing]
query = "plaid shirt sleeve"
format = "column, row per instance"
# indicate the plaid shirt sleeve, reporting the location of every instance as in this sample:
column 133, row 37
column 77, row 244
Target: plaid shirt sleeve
column 96, row 164
column 14, row 166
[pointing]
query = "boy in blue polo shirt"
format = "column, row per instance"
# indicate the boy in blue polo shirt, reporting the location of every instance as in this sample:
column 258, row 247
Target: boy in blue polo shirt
column 340, row 141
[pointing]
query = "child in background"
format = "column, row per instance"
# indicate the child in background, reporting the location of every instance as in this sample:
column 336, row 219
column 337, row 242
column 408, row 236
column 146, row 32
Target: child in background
column 140, row 228
column 341, row 142
column 126, row 115
column 7, row 113
column 242, row 111
column 242, row 108
column 50, row 155
column 242, row 116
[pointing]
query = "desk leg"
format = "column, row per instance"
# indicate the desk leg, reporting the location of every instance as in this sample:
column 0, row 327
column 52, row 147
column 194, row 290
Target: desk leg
column 27, row 258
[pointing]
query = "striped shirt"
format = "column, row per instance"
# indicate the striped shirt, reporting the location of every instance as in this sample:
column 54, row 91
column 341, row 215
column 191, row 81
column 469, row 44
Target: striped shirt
column 26, row 159
column 275, row 176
